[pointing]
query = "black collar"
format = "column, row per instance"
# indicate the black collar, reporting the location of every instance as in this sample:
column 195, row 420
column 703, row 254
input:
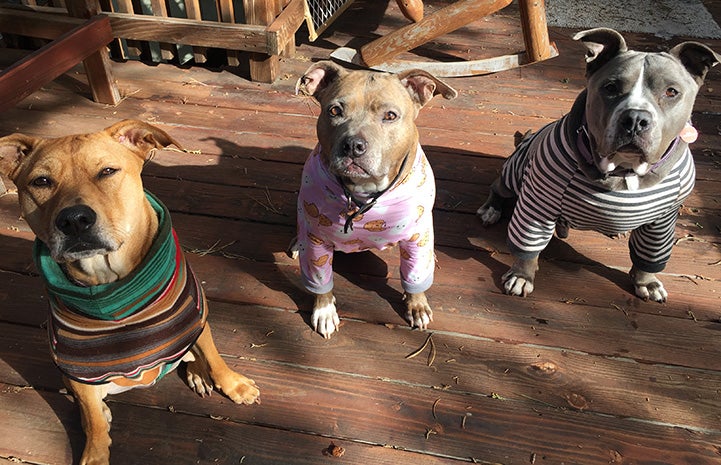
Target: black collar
column 363, row 207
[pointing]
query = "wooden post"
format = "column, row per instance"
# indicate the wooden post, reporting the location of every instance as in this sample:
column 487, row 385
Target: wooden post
column 535, row 29
column 445, row 20
column 97, row 66
column 263, row 68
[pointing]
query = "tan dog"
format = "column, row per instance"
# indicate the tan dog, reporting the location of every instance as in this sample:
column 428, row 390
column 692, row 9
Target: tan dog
column 368, row 184
column 98, row 233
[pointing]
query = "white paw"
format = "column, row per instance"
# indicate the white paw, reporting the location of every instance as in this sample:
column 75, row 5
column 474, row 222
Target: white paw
column 488, row 215
column 420, row 319
column 293, row 249
column 198, row 380
column 652, row 291
column 325, row 320
column 516, row 285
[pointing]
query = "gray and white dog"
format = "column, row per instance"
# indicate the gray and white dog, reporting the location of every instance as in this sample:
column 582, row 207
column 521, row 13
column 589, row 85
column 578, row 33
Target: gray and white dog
column 618, row 162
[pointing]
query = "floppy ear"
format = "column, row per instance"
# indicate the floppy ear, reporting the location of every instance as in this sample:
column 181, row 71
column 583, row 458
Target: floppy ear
column 13, row 150
column 142, row 138
column 422, row 86
column 601, row 44
column 318, row 77
column 696, row 58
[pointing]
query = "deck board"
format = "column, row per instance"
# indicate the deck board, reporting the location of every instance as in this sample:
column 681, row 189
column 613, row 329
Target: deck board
column 580, row 372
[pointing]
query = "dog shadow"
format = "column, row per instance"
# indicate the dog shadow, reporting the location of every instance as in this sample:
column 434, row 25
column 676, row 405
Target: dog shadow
column 26, row 351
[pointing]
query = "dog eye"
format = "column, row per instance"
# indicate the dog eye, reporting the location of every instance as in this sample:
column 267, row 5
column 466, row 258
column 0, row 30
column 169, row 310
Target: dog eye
column 42, row 181
column 671, row 92
column 611, row 88
column 390, row 116
column 335, row 110
column 107, row 172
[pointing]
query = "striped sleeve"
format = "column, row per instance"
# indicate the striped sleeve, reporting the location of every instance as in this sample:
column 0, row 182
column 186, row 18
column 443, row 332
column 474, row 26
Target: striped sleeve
column 541, row 192
column 650, row 245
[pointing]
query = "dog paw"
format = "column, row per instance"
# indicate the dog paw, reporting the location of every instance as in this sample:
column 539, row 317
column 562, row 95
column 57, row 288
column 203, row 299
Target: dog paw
column 325, row 319
column 198, row 379
column 514, row 284
column 293, row 250
column 647, row 286
column 488, row 215
column 652, row 291
column 238, row 388
column 418, row 311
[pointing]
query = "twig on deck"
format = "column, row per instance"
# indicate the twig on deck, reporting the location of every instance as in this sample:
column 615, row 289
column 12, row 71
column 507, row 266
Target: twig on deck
column 433, row 409
column 422, row 348
column 269, row 207
column 432, row 354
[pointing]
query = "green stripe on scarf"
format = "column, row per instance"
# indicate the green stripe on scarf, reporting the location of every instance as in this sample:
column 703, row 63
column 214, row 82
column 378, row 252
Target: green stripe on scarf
column 121, row 298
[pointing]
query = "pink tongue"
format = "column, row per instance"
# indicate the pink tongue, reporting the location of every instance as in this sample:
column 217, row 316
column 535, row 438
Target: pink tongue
column 689, row 134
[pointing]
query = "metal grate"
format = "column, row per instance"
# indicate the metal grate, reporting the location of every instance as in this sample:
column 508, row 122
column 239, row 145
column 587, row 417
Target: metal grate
column 319, row 14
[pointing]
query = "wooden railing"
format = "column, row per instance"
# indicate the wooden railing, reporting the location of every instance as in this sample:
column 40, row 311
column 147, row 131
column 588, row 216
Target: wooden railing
column 151, row 30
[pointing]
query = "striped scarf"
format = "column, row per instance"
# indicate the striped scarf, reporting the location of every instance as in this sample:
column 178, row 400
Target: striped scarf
column 140, row 324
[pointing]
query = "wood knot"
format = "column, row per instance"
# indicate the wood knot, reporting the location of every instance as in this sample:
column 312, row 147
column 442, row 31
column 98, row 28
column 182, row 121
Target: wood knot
column 544, row 368
column 576, row 401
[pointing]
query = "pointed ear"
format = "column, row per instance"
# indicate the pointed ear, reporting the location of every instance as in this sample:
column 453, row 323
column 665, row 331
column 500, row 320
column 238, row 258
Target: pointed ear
column 602, row 45
column 696, row 58
column 318, row 77
column 422, row 86
column 13, row 150
column 142, row 138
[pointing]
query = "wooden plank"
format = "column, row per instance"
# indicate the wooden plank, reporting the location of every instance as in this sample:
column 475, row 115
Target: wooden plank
column 381, row 354
column 190, row 32
column 400, row 416
column 170, row 435
column 431, row 26
column 468, row 366
column 22, row 79
column 36, row 24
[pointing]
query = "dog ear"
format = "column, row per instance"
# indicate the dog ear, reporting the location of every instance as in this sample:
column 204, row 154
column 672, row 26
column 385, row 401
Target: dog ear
column 142, row 138
column 13, row 149
column 318, row 77
column 423, row 86
column 696, row 58
column 602, row 44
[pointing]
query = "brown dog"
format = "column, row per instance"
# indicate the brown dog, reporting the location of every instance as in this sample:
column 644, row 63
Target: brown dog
column 367, row 185
column 125, row 307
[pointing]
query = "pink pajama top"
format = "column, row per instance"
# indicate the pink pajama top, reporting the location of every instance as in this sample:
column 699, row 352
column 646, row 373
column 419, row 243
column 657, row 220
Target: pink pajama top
column 401, row 215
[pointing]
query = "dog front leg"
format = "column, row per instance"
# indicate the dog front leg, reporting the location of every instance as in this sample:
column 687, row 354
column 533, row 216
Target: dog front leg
column 325, row 316
column 209, row 371
column 519, row 279
column 95, row 418
column 492, row 209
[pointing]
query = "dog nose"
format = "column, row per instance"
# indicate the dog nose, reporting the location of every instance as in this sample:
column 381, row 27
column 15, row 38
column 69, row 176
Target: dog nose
column 354, row 147
column 636, row 121
column 75, row 220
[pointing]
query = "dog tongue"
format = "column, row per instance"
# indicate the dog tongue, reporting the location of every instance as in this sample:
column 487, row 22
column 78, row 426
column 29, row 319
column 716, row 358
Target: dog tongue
column 689, row 134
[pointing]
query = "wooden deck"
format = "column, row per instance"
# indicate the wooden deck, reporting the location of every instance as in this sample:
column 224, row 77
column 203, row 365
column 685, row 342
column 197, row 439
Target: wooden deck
column 581, row 372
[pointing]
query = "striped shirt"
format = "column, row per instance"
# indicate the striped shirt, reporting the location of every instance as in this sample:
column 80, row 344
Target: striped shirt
column 137, row 328
column 552, row 185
